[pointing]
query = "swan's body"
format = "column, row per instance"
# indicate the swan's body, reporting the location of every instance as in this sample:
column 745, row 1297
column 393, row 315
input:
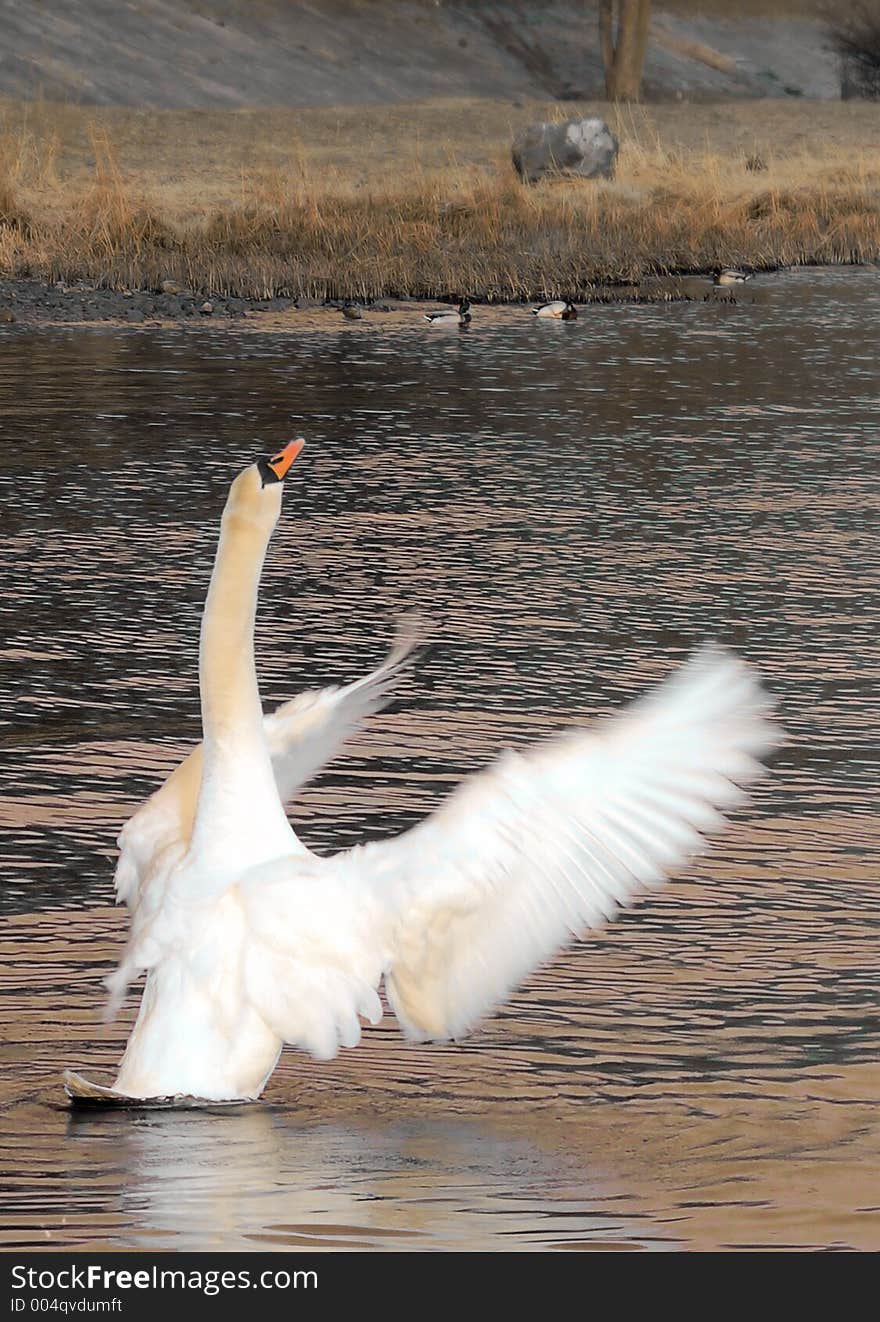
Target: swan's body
column 459, row 316
column 250, row 941
column 730, row 276
column 561, row 309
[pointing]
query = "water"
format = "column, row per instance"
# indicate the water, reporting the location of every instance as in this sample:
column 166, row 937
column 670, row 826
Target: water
column 575, row 506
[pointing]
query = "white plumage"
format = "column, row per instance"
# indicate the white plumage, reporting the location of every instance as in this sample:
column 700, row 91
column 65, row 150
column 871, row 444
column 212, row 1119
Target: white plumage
column 548, row 844
column 302, row 736
column 250, row 941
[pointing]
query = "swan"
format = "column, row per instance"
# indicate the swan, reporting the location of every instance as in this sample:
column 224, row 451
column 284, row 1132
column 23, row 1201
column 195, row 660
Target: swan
column 451, row 316
column 249, row 941
column 561, row 308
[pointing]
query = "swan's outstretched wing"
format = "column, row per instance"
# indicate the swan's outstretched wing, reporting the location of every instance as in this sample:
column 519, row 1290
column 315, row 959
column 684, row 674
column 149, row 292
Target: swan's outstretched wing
column 303, row 735
column 519, row 861
column 307, row 732
column 546, row 845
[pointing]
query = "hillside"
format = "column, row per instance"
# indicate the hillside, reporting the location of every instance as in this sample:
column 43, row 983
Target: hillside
column 231, row 53
column 361, row 148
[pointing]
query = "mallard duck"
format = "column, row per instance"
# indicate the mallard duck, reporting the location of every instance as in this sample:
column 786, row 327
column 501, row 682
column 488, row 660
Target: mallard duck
column 730, row 276
column 352, row 312
column 561, row 309
column 451, row 317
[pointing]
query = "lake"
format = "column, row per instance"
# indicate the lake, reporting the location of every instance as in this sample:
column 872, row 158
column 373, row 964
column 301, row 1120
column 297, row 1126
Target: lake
column 575, row 506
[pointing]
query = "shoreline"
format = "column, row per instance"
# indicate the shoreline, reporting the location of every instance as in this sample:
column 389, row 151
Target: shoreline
column 29, row 304
column 398, row 204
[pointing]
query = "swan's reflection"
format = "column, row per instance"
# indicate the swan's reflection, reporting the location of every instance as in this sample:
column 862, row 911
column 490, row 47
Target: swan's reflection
column 258, row 1177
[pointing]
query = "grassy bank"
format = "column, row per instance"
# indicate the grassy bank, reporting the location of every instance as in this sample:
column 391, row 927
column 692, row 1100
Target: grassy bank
column 421, row 201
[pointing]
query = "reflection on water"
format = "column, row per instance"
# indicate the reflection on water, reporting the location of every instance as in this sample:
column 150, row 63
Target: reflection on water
column 575, row 505
column 348, row 1185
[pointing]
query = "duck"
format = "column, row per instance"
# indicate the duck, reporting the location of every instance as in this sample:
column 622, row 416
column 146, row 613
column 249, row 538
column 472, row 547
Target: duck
column 730, row 276
column 451, row 316
column 352, row 312
column 248, row 941
column 560, row 309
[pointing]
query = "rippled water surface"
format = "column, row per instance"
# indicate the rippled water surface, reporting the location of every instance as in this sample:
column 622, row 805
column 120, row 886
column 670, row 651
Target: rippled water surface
column 575, row 506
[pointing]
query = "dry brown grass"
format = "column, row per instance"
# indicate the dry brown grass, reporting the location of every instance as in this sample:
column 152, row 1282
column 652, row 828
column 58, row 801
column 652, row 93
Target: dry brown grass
column 325, row 204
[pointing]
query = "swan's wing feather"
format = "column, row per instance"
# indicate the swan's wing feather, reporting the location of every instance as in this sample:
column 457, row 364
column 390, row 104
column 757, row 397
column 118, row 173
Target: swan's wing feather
column 307, row 732
column 314, row 956
column 303, row 735
column 161, row 824
column 544, row 846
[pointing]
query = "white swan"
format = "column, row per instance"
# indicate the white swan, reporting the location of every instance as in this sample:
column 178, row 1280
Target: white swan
column 249, row 940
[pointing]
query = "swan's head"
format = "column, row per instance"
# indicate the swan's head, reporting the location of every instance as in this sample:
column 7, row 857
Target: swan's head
column 256, row 492
column 274, row 468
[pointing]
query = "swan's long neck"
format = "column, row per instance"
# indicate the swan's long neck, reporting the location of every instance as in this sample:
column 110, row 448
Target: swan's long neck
column 240, row 818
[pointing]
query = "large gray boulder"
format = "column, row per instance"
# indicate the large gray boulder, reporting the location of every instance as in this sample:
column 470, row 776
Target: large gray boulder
column 584, row 147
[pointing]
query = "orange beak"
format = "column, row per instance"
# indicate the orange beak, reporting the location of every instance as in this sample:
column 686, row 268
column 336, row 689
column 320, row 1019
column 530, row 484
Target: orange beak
column 280, row 462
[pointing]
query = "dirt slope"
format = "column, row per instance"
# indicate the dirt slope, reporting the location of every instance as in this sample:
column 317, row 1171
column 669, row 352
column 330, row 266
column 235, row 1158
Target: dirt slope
column 213, row 53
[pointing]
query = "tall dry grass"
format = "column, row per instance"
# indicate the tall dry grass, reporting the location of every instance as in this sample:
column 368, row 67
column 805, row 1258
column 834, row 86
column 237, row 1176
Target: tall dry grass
column 309, row 231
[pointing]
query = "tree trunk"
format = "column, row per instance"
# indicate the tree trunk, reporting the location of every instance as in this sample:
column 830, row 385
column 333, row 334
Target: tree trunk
column 623, row 33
